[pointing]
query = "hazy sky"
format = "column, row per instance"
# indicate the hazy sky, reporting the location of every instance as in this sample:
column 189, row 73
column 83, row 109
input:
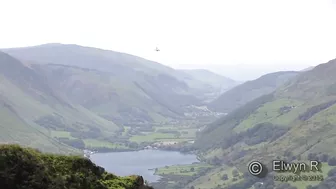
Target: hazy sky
column 241, row 39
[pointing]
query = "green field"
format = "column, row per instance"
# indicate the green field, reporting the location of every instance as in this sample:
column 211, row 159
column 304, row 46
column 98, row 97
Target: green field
column 93, row 143
column 61, row 134
column 152, row 137
column 269, row 112
column 186, row 134
column 214, row 178
column 185, row 170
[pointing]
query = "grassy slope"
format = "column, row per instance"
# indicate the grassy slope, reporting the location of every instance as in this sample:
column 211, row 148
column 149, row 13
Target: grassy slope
column 250, row 90
column 24, row 100
column 94, row 89
column 183, row 170
column 27, row 168
column 22, row 133
column 104, row 60
column 311, row 129
column 215, row 178
column 114, row 98
column 143, row 89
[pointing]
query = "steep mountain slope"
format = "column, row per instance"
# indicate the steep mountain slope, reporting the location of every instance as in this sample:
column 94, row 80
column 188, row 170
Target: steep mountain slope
column 117, row 97
column 211, row 83
column 297, row 121
column 81, row 95
column 250, row 90
column 33, row 114
column 153, row 90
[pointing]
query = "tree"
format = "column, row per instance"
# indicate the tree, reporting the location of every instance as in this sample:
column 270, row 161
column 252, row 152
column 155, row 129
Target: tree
column 298, row 157
column 312, row 156
column 332, row 172
column 192, row 169
column 324, row 158
column 235, row 173
column 332, row 162
column 225, row 177
column 216, row 161
column 133, row 145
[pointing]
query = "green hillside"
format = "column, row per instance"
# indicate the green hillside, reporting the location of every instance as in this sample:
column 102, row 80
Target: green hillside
column 116, row 98
column 128, row 89
column 250, row 90
column 114, row 62
column 30, row 169
column 85, row 97
column 296, row 122
column 34, row 114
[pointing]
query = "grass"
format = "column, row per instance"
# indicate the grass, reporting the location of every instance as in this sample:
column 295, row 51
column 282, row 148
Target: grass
column 215, row 152
column 303, row 184
column 318, row 127
column 92, row 143
column 152, row 137
column 61, row 134
column 215, row 178
column 184, row 170
column 269, row 112
column 17, row 120
column 15, row 130
column 311, row 127
column 327, row 115
column 126, row 130
column 164, row 137
column 174, row 139
column 191, row 133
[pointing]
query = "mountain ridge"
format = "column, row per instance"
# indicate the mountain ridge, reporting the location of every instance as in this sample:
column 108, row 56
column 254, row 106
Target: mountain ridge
column 293, row 123
column 72, row 103
column 31, row 110
column 107, row 60
column 250, row 90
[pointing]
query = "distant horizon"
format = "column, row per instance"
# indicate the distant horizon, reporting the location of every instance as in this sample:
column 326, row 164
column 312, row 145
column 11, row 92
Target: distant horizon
column 241, row 39
column 222, row 70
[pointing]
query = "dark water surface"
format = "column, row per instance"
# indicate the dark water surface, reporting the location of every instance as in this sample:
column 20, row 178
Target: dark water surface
column 139, row 162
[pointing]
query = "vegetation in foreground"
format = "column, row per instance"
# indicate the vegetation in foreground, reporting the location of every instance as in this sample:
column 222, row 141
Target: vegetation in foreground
column 27, row 168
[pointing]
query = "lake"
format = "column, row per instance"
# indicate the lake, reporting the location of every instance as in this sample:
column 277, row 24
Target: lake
column 139, row 162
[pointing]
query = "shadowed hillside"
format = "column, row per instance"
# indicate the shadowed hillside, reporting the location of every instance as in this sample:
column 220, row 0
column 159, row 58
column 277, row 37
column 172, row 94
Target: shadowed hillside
column 250, row 90
column 66, row 96
column 128, row 89
column 33, row 114
column 296, row 122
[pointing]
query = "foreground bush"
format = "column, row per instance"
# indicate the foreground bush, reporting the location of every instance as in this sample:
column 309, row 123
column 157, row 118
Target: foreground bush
column 26, row 168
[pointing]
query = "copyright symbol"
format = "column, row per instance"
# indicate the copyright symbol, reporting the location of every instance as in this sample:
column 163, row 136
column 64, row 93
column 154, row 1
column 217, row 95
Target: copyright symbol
column 255, row 168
